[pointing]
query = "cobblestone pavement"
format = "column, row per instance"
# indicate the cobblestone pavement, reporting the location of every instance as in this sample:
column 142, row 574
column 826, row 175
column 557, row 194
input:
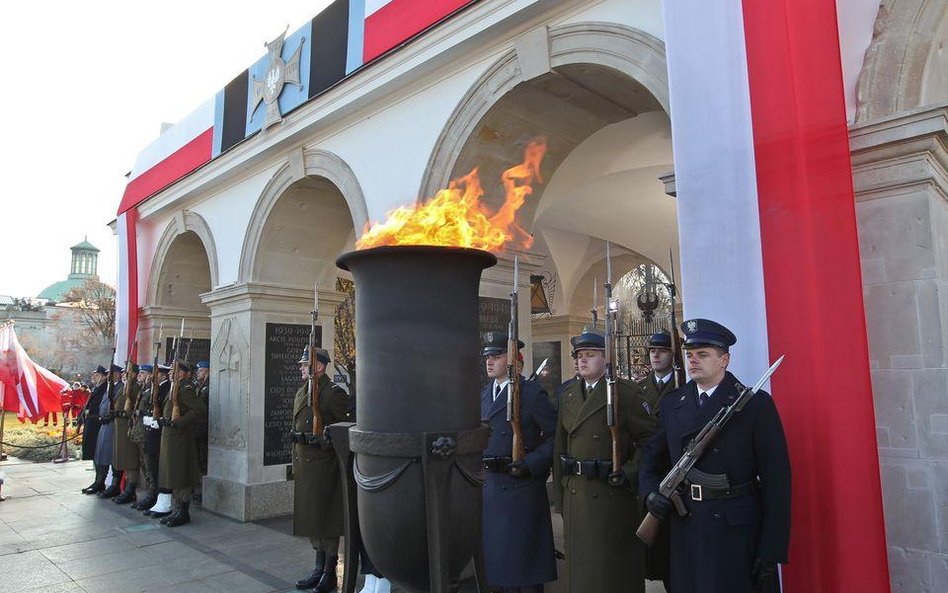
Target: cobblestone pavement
column 54, row 539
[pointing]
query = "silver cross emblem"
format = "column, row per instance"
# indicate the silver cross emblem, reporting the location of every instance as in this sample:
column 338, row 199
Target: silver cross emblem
column 278, row 75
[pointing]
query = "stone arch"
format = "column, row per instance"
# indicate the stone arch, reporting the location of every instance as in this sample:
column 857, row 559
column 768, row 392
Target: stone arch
column 633, row 52
column 184, row 222
column 906, row 65
column 306, row 164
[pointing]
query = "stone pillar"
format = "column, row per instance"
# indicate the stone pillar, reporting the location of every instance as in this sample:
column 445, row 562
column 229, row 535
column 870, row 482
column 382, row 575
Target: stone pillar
column 900, row 170
column 238, row 483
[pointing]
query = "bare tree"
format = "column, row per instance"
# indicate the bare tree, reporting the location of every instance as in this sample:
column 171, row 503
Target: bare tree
column 345, row 346
column 96, row 301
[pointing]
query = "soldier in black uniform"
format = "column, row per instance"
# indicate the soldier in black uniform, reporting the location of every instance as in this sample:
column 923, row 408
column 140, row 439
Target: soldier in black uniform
column 738, row 526
column 90, row 428
column 517, row 529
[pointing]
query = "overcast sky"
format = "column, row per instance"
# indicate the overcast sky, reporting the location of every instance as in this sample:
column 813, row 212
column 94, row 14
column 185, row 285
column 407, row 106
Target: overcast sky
column 86, row 87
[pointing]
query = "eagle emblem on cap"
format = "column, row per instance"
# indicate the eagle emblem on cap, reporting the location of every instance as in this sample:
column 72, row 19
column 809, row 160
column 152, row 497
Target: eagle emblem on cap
column 692, row 326
column 489, row 337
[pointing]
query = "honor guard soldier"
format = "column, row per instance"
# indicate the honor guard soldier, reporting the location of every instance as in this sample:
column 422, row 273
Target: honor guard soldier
column 137, row 432
column 160, row 498
column 317, row 479
column 517, row 530
column 178, row 466
column 661, row 379
column 737, row 496
column 91, row 425
column 125, row 452
column 203, row 387
column 104, row 449
column 599, row 503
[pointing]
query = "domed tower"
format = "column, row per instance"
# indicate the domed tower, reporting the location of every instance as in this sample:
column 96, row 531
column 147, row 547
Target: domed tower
column 84, row 266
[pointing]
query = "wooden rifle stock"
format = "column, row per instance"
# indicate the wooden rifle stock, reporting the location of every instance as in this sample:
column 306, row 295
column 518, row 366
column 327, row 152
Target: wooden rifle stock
column 313, row 379
column 175, row 385
column 128, row 379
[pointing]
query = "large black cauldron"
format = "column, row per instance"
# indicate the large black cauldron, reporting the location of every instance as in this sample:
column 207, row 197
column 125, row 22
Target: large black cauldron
column 418, row 438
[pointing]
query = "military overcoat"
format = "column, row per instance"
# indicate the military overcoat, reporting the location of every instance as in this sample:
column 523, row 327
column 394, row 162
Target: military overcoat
column 178, row 463
column 146, row 407
column 652, row 394
column 125, row 456
column 713, row 549
column 517, row 531
column 90, row 421
column 317, row 479
column 106, row 436
column 602, row 552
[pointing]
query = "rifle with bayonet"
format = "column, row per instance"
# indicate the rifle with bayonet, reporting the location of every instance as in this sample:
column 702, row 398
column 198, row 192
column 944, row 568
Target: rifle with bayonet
column 110, row 390
column 518, row 453
column 535, row 374
column 129, row 379
column 312, row 385
column 155, row 403
column 175, row 382
column 671, row 484
column 675, row 342
column 612, row 399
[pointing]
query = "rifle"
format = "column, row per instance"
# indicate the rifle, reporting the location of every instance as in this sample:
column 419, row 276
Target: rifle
column 675, row 343
column 518, row 453
column 175, row 381
column 155, row 405
column 539, row 369
column 128, row 382
column 110, row 391
column 612, row 411
column 595, row 313
column 311, row 385
column 648, row 529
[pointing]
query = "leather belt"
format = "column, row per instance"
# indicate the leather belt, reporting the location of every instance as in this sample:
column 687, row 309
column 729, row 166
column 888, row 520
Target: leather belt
column 305, row 438
column 699, row 493
column 593, row 469
column 497, row 465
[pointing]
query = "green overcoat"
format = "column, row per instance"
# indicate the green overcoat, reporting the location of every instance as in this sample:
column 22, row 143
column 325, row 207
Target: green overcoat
column 602, row 551
column 178, row 463
column 651, row 392
column 124, row 451
column 317, row 480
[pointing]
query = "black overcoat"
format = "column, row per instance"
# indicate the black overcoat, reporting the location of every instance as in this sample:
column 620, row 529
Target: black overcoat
column 90, row 422
column 517, row 528
column 713, row 549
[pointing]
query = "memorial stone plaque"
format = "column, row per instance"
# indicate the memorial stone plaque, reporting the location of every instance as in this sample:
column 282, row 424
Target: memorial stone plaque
column 200, row 349
column 551, row 377
column 494, row 316
column 281, row 379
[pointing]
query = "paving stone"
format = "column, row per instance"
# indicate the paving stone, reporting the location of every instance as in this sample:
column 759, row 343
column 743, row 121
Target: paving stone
column 29, row 570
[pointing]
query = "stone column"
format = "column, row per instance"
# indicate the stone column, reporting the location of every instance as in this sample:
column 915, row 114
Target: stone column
column 238, row 483
column 900, row 170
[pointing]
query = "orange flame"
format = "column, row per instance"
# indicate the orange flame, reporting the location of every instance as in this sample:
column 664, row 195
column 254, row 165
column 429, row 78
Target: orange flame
column 455, row 217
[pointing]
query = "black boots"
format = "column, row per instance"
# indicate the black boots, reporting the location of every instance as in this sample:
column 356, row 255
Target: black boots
column 113, row 490
column 312, row 579
column 179, row 517
column 127, row 496
column 328, row 581
column 146, row 503
column 99, row 485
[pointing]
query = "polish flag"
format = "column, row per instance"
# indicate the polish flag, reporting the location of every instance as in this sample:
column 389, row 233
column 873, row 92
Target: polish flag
column 758, row 92
column 25, row 387
column 391, row 22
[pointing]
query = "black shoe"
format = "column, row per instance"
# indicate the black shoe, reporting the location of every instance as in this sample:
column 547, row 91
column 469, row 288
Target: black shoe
column 155, row 515
column 93, row 488
column 145, row 504
column 110, row 492
column 125, row 497
column 164, row 520
column 182, row 517
column 312, row 579
column 328, row 582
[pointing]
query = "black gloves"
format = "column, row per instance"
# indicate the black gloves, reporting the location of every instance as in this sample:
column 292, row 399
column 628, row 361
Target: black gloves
column 520, row 469
column 764, row 574
column 658, row 505
column 165, row 422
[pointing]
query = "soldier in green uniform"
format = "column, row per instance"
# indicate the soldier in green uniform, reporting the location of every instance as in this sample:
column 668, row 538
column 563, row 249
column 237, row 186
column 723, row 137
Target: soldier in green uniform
column 203, row 388
column 600, row 518
column 317, row 482
column 178, row 467
column 125, row 455
column 137, row 431
column 655, row 386
column 661, row 379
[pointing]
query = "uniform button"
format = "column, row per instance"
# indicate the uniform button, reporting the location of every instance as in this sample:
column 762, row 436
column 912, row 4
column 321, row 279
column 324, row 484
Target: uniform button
column 595, row 496
column 572, row 492
column 503, row 434
column 595, row 437
column 716, row 450
column 716, row 515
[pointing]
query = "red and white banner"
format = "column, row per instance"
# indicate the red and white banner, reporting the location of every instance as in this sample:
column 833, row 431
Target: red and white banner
column 25, row 387
column 390, row 22
column 769, row 248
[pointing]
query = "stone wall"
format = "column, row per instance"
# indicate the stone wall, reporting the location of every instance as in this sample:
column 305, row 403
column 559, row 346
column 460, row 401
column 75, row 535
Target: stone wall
column 900, row 171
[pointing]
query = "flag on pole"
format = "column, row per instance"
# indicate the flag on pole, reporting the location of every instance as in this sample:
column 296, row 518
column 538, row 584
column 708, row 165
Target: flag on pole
column 26, row 387
column 769, row 247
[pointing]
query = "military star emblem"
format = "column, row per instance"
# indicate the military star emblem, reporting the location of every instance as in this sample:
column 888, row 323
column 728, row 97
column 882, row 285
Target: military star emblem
column 278, row 75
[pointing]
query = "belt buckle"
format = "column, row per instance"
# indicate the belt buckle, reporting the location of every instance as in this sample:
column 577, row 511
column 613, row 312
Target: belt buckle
column 577, row 467
column 696, row 492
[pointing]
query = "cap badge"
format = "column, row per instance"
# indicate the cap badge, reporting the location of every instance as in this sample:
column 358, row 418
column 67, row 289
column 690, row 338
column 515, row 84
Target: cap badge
column 692, row 326
column 489, row 337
